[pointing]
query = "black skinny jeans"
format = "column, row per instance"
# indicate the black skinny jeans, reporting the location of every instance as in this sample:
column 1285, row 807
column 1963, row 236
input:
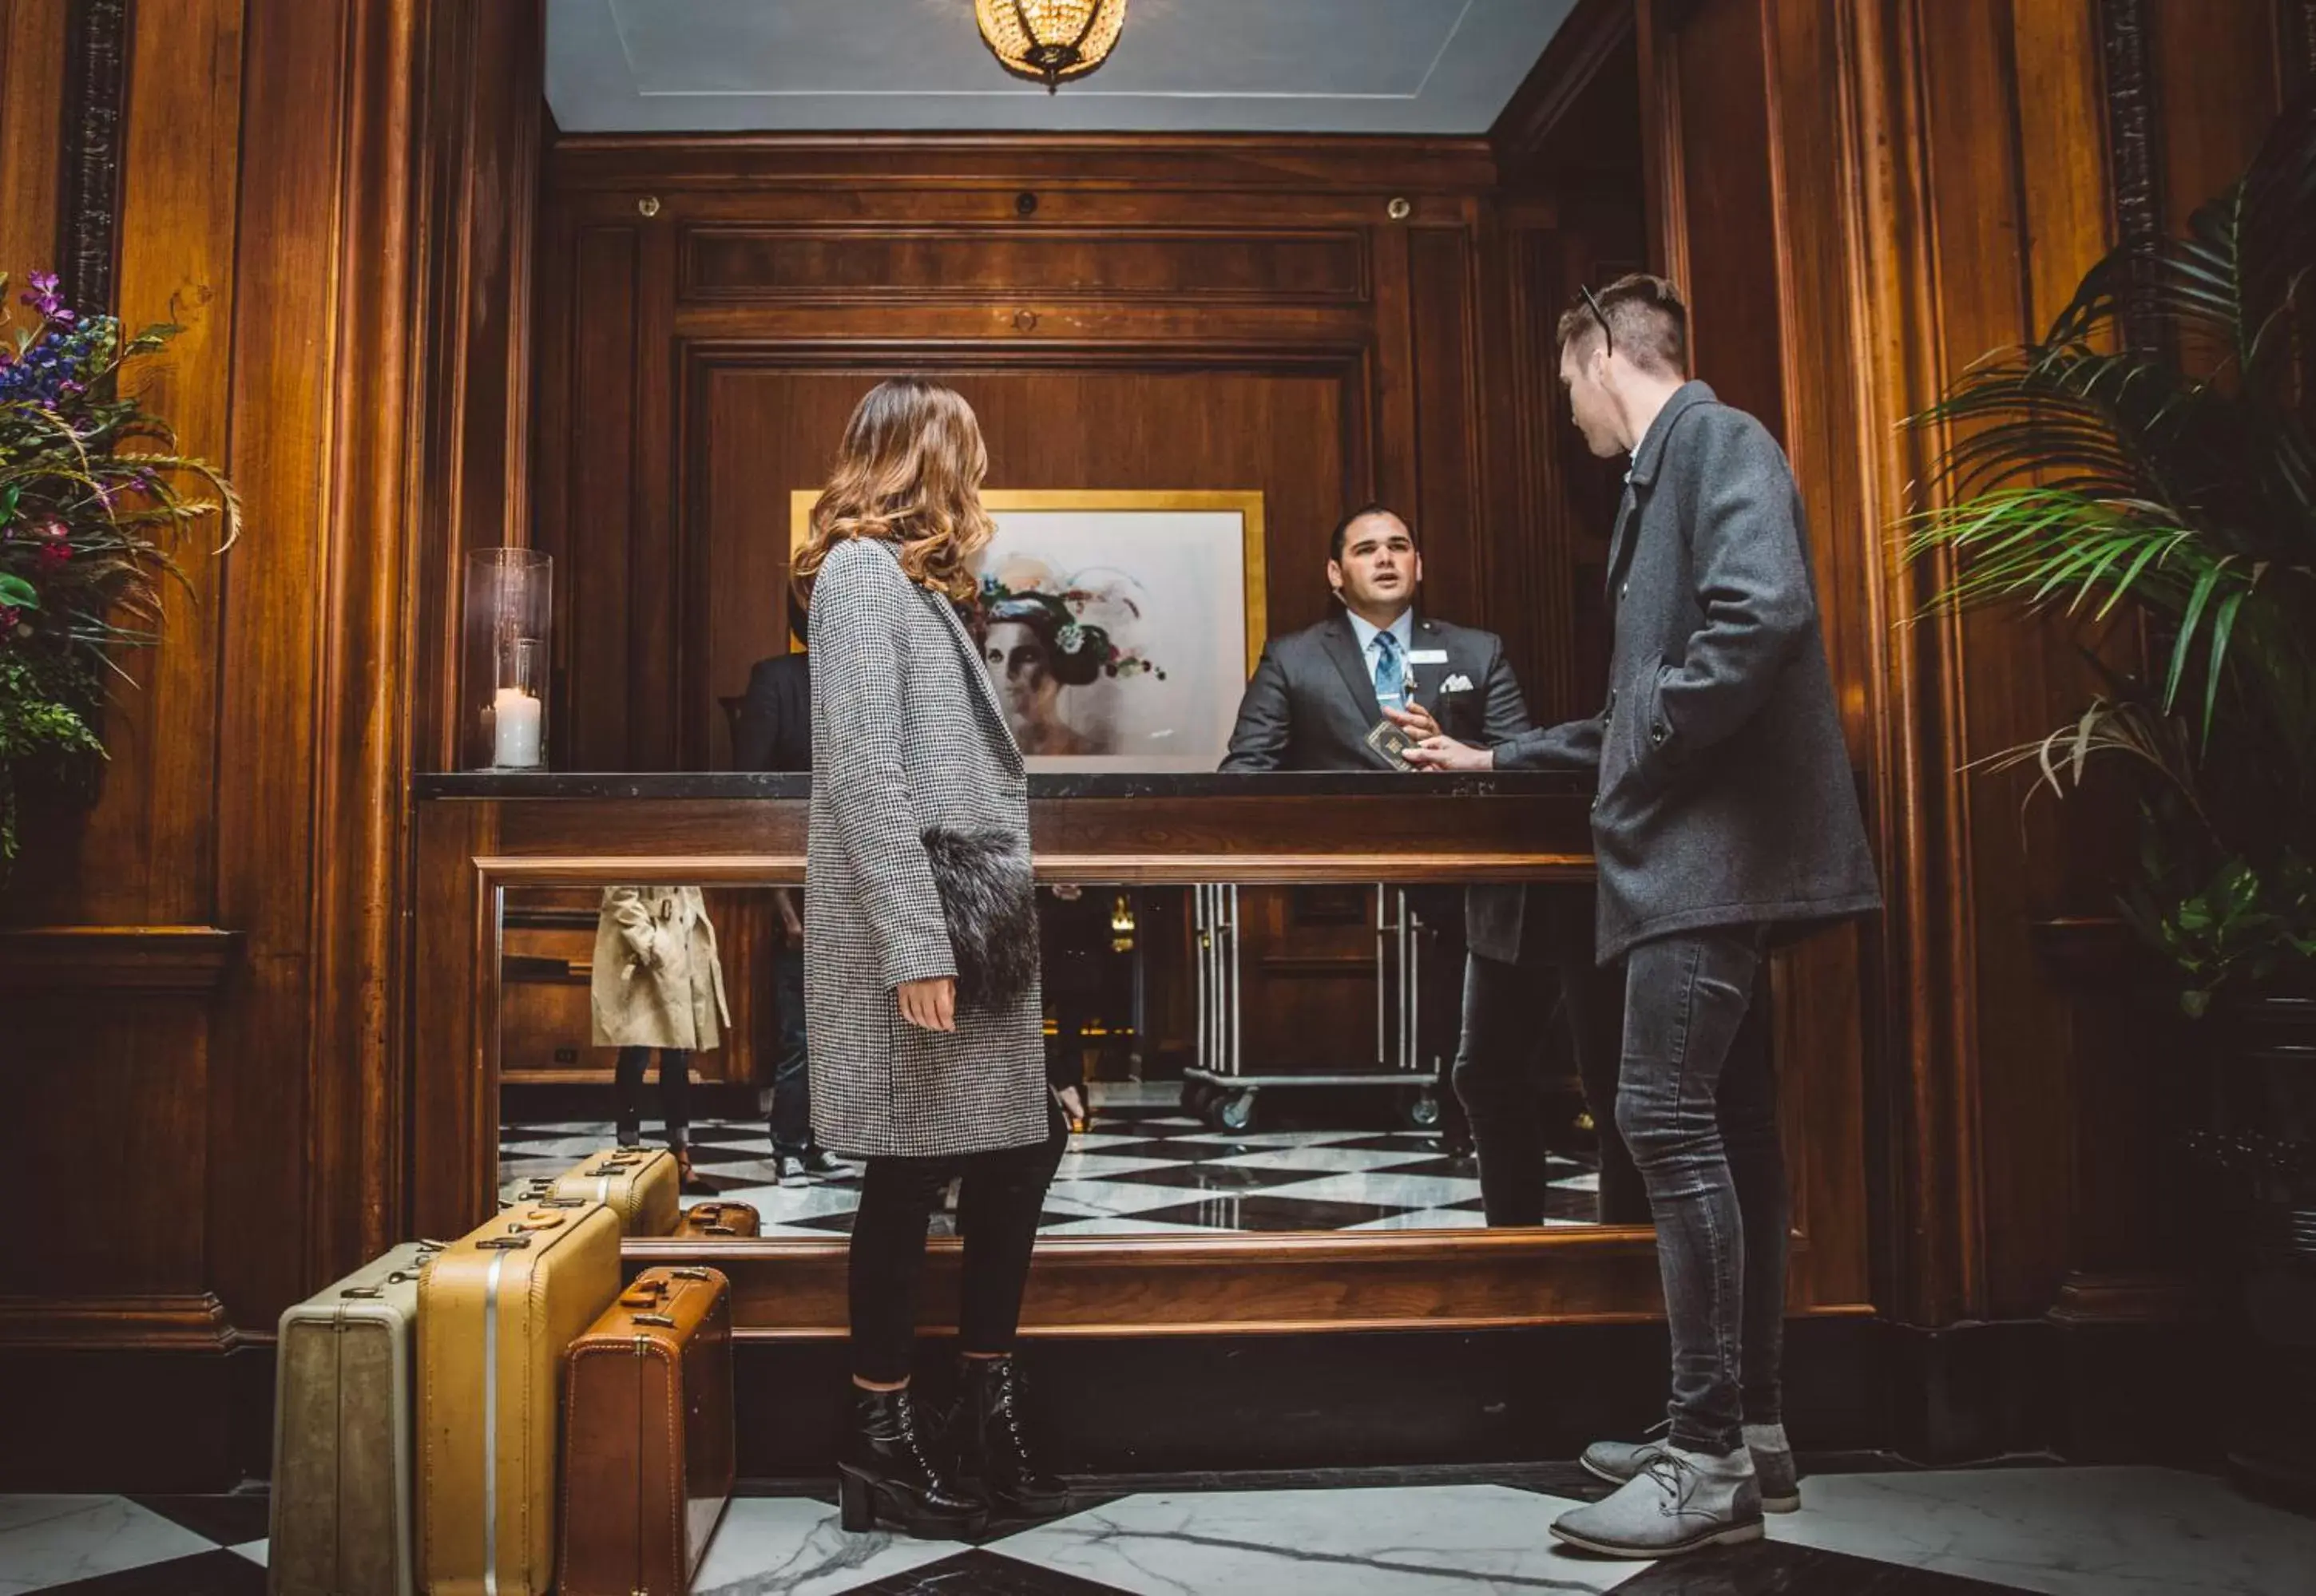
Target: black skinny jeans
column 997, row 1211
column 674, row 1093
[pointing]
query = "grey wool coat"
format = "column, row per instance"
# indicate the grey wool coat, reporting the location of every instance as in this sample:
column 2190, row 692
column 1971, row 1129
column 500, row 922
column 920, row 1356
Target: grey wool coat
column 1725, row 792
column 907, row 737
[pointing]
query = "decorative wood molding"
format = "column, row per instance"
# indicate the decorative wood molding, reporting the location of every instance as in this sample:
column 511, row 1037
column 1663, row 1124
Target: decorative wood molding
column 2126, row 1299
column 2134, row 171
column 163, row 961
column 96, row 99
column 1585, row 43
column 1002, row 163
column 159, row 1322
column 1191, row 1285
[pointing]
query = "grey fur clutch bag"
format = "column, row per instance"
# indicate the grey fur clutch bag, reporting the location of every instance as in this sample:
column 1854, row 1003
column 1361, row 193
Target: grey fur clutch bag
column 991, row 905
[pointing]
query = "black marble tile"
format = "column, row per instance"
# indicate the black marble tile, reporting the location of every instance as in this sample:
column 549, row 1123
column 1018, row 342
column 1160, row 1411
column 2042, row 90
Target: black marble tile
column 1771, row 1568
column 1432, row 1164
column 208, row 1573
column 229, row 1520
column 984, row 1573
column 1419, row 1144
column 1217, row 1177
column 1560, row 1202
column 1188, row 1152
column 1232, row 1211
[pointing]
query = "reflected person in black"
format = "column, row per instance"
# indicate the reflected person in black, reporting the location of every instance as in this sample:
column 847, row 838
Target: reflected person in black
column 774, row 732
column 1318, row 693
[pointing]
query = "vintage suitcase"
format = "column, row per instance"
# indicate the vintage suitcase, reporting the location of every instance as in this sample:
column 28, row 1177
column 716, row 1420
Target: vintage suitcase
column 497, row 1310
column 342, row 1417
column 720, row 1219
column 640, row 1186
column 647, row 1437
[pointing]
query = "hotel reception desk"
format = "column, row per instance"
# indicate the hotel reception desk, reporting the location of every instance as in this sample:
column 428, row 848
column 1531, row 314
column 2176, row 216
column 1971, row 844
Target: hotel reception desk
column 1194, row 871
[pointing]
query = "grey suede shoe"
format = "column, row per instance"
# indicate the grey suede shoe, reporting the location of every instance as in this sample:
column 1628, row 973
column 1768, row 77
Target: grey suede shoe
column 1679, row 1502
column 1617, row 1461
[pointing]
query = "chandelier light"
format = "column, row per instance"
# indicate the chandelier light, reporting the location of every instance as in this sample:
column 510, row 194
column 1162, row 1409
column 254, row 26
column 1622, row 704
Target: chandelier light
column 1050, row 39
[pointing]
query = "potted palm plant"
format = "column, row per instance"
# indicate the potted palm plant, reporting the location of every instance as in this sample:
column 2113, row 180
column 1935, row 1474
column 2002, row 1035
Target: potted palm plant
column 2149, row 459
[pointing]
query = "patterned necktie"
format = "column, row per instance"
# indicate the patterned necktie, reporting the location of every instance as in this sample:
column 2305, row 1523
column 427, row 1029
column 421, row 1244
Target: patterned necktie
column 1390, row 676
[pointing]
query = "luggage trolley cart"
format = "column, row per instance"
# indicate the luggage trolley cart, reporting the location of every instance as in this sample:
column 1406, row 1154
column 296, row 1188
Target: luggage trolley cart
column 1217, row 1086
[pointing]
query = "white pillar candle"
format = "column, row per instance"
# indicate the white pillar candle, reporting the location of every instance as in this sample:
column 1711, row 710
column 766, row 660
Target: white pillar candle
column 515, row 721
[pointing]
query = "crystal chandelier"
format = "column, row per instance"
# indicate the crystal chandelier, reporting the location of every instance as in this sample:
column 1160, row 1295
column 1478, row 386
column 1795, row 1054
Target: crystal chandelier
column 1050, row 39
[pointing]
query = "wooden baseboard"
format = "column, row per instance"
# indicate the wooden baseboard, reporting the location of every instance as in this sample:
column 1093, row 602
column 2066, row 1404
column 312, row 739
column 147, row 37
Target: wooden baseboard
column 169, row 960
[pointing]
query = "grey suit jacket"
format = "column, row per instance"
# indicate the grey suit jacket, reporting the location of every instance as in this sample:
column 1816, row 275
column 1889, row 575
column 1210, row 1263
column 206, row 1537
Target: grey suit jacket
column 906, row 736
column 1311, row 701
column 1724, row 792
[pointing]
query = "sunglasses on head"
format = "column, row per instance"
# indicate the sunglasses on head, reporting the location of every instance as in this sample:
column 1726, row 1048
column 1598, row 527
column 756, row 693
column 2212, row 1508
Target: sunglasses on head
column 1599, row 316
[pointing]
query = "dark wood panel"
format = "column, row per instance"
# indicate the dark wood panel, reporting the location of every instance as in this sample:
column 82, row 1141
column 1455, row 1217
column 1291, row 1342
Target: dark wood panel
column 831, row 266
column 1726, row 259
column 1465, row 556
column 591, row 541
column 31, row 127
column 763, row 430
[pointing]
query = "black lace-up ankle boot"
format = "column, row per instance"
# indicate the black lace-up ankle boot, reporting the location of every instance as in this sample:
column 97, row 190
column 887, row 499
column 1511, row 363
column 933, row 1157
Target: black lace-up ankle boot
column 992, row 1450
column 888, row 1472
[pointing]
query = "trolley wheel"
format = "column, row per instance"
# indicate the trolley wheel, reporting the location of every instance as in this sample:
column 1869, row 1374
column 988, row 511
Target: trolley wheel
column 1421, row 1111
column 1231, row 1111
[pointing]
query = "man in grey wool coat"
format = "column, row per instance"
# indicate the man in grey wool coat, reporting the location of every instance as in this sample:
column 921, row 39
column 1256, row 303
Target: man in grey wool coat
column 1724, row 817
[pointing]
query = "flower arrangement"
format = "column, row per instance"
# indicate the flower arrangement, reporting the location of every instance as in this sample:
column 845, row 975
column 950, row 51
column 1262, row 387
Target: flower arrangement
column 91, row 507
column 1082, row 649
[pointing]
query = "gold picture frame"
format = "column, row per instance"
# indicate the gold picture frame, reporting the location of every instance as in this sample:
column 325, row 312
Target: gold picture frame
column 1247, row 503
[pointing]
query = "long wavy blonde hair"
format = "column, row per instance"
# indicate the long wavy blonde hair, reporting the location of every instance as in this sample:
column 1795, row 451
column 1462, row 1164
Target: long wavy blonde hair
column 909, row 470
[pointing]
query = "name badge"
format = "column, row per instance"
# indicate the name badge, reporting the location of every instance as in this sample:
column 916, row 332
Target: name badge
column 1426, row 656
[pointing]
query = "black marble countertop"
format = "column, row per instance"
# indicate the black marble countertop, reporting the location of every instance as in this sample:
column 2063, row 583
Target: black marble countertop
column 731, row 784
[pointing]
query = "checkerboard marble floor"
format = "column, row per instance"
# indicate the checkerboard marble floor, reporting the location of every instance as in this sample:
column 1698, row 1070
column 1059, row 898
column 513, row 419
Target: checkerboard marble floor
column 1146, row 1168
column 2072, row 1531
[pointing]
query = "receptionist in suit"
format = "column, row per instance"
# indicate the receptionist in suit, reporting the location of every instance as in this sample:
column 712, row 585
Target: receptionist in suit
column 1318, row 694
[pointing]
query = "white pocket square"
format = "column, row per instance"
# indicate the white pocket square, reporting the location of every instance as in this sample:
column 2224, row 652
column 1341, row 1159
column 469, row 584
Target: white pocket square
column 1456, row 684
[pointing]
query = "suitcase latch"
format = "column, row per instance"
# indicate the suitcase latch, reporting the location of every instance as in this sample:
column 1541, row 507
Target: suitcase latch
column 366, row 1290
column 698, row 1274
column 660, row 1319
column 503, row 1243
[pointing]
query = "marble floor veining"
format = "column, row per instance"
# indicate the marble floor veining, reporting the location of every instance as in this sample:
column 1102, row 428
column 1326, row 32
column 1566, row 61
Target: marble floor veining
column 2072, row 1531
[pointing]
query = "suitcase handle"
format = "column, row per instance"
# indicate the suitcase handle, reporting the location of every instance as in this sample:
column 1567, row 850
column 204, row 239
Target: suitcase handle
column 717, row 1231
column 534, row 1221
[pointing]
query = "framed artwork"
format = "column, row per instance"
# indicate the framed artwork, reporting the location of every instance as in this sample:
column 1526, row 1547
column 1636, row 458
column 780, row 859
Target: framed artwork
column 1119, row 628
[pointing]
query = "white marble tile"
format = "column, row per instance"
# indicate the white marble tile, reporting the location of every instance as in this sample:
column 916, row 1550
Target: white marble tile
column 1104, row 1165
column 792, row 1547
column 1118, row 1196
column 254, row 1550
column 2073, row 1531
column 49, row 1540
column 1428, row 1218
column 1456, row 1540
column 1123, row 1225
column 1384, row 1188
column 1324, row 1160
column 1588, row 1181
column 784, row 1205
column 1278, row 1139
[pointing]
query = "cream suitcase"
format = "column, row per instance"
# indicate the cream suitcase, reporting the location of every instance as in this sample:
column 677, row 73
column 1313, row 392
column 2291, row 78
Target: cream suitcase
column 640, row 1186
column 342, row 1420
column 497, row 1309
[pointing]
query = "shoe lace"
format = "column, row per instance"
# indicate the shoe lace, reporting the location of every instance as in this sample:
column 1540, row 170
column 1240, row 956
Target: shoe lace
column 1674, row 1477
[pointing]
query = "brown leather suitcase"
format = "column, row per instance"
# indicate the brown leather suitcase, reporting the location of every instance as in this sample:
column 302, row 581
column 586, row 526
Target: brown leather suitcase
column 641, row 1185
column 497, row 1310
column 647, row 1446
column 342, row 1417
column 720, row 1219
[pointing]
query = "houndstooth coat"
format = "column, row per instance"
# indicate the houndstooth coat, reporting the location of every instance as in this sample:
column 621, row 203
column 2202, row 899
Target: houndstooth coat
column 906, row 736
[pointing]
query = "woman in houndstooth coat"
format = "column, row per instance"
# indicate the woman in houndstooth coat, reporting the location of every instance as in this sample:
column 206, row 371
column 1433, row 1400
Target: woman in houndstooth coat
column 923, row 1013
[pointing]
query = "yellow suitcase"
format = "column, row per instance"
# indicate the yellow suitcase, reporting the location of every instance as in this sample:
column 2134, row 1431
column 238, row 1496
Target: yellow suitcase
column 497, row 1309
column 640, row 1186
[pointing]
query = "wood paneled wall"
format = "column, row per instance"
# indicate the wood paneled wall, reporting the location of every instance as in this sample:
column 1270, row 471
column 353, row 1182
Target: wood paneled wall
column 1937, row 177
column 204, row 973
column 1145, row 313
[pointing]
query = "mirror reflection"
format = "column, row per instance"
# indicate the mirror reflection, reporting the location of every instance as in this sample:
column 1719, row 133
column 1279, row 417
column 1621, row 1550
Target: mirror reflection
column 1228, row 1058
